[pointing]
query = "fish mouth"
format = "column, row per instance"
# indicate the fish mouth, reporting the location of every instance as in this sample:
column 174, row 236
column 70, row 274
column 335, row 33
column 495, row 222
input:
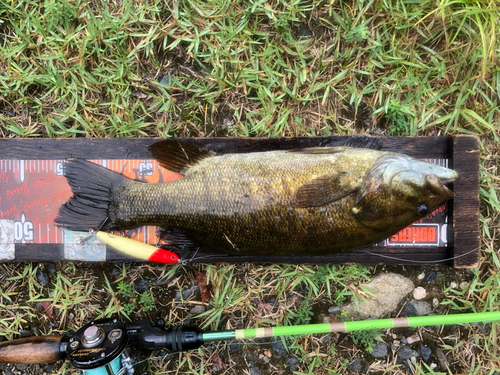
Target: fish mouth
column 437, row 185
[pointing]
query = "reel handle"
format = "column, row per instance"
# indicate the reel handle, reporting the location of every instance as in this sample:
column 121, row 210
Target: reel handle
column 33, row 350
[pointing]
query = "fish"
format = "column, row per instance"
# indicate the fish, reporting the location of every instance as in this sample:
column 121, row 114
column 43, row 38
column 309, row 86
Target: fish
column 311, row 201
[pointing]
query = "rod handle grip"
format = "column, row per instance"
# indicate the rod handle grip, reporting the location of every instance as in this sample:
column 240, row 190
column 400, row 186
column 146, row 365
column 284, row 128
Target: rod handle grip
column 31, row 350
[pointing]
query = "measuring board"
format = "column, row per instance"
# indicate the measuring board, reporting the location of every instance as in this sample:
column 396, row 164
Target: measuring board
column 33, row 190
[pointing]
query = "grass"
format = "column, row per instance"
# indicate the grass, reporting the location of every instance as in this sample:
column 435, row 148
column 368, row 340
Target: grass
column 88, row 68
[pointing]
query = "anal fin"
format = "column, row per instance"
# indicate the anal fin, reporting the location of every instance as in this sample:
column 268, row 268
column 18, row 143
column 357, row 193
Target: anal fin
column 175, row 237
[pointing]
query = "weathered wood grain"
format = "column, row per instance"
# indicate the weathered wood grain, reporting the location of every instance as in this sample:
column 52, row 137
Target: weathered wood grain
column 136, row 148
column 465, row 210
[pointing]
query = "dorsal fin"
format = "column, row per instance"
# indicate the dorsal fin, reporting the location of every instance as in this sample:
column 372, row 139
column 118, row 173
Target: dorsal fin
column 178, row 156
column 319, row 150
column 344, row 143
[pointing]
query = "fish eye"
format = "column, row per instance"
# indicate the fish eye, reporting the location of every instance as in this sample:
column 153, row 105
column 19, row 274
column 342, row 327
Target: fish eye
column 422, row 209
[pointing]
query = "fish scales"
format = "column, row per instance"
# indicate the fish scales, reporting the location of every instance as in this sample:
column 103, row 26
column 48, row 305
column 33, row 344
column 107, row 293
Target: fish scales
column 272, row 203
column 241, row 201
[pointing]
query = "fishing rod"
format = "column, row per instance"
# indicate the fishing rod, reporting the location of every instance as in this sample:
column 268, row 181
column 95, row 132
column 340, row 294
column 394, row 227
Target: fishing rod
column 102, row 347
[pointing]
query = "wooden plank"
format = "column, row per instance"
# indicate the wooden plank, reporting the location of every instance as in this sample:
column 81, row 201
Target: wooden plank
column 464, row 211
column 136, row 148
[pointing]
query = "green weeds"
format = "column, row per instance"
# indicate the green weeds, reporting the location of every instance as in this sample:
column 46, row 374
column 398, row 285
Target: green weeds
column 262, row 68
column 366, row 338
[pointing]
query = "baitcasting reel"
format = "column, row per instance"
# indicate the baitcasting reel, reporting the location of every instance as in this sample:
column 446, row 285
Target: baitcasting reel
column 100, row 347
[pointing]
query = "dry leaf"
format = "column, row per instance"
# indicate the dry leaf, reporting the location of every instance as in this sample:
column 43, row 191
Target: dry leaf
column 47, row 306
column 265, row 306
column 217, row 361
column 202, row 284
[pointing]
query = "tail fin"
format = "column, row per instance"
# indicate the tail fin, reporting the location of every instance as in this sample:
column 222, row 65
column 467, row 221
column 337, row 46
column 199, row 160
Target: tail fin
column 88, row 208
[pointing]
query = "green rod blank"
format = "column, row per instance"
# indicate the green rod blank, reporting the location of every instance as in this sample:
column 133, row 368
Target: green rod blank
column 240, row 334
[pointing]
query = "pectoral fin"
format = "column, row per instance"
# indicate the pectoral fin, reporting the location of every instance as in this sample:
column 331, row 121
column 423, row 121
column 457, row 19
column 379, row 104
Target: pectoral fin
column 323, row 190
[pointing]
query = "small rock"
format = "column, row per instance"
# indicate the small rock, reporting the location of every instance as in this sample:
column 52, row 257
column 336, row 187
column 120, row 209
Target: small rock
column 8, row 372
column 435, row 302
column 272, row 301
column 292, row 363
column 303, row 31
column 334, row 310
column 421, row 276
column 464, row 285
column 443, row 362
column 116, row 271
column 379, row 350
column 253, row 369
column 42, row 277
column 190, row 293
column 51, row 369
column 405, row 352
column 141, row 286
column 412, row 339
column 417, row 308
column 419, row 293
column 325, row 339
column 431, row 276
column 278, row 347
column 198, row 309
column 21, row 367
column 235, row 346
column 485, row 328
column 51, row 267
column 226, row 123
column 35, row 330
column 426, row 352
column 355, row 365
column 388, row 290
column 324, row 318
column 166, row 80
column 24, row 333
column 264, row 358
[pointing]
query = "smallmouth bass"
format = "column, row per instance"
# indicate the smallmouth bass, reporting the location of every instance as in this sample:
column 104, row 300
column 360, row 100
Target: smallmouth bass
column 312, row 201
